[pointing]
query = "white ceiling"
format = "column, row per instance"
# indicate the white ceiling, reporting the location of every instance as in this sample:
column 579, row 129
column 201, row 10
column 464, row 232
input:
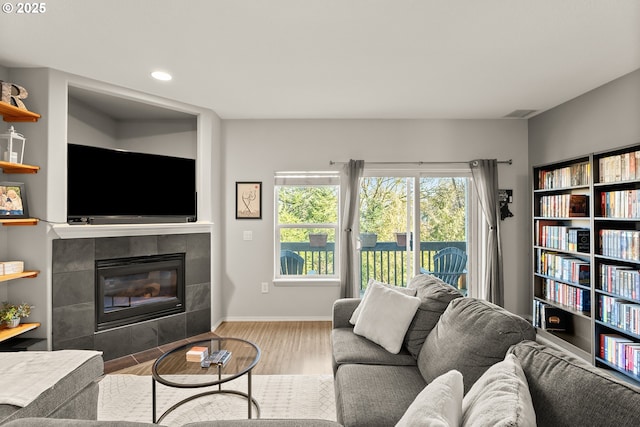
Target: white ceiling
column 337, row 58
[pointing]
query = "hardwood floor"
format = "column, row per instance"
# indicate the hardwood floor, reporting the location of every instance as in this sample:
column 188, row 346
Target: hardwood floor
column 287, row 348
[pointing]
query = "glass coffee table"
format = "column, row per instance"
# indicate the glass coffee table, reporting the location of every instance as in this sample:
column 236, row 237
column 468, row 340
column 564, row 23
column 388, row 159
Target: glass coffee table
column 173, row 370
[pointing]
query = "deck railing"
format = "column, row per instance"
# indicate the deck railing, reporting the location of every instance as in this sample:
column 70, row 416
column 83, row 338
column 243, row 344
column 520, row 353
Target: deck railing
column 386, row 261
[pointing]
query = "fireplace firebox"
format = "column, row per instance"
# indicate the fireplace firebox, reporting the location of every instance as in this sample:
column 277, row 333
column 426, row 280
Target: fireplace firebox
column 135, row 289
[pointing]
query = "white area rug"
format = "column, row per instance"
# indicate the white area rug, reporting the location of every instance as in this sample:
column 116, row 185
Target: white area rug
column 128, row 397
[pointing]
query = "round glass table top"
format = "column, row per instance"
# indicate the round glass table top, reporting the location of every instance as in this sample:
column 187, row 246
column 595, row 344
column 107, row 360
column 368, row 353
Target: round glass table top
column 174, row 369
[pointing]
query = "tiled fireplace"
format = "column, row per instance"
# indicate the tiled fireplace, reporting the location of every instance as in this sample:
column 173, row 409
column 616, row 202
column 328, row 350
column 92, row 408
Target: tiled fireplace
column 75, row 312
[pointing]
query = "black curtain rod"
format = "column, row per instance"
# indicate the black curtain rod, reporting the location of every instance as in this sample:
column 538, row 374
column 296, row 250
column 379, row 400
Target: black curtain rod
column 508, row 162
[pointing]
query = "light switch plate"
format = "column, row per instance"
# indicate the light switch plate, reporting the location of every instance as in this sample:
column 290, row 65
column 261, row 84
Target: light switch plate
column 247, row 235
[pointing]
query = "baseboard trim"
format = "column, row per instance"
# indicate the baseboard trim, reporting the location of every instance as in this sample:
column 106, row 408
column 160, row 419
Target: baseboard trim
column 275, row 319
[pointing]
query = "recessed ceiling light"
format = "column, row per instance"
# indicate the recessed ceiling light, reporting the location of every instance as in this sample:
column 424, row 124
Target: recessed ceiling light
column 161, row 75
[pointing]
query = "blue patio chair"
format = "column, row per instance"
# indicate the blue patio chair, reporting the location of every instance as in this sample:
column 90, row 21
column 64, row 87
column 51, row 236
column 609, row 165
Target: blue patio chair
column 291, row 262
column 448, row 265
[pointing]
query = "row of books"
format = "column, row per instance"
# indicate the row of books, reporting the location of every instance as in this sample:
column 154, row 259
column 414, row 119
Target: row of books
column 621, row 352
column 565, row 238
column 620, row 204
column 546, row 316
column 622, row 244
column 570, row 176
column 576, row 298
column 620, row 280
column 564, row 267
column 218, row 357
column 620, row 313
column 620, row 167
column 564, row 205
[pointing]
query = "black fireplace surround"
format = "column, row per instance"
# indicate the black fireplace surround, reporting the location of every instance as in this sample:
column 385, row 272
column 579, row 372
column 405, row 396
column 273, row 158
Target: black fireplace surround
column 134, row 289
column 74, row 297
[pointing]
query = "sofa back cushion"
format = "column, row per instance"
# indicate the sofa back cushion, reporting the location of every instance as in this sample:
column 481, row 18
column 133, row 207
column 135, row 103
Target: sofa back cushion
column 567, row 390
column 470, row 336
column 435, row 295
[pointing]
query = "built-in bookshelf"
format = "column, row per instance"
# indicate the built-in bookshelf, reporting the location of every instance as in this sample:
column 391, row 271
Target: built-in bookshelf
column 616, row 265
column 586, row 257
column 562, row 256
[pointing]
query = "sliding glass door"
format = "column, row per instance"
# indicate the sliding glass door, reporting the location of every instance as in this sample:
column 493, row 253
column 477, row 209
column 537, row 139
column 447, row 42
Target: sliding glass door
column 406, row 218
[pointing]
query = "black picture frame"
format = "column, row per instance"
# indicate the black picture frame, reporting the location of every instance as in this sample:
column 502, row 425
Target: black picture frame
column 13, row 200
column 248, row 200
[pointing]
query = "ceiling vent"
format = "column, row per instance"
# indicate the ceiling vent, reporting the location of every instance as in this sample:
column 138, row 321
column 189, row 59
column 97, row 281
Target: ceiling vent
column 519, row 114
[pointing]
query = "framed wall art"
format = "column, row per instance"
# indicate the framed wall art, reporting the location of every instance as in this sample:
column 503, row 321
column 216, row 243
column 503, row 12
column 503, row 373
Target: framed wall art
column 13, row 200
column 248, row 200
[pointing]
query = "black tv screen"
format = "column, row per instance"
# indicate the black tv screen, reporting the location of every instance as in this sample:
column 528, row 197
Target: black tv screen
column 116, row 186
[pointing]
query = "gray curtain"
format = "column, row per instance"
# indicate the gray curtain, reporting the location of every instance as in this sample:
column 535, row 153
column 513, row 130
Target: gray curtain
column 348, row 254
column 485, row 178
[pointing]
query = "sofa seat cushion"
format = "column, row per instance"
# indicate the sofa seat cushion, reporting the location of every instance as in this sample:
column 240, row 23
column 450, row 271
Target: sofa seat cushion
column 348, row 347
column 74, row 392
column 567, row 390
column 435, row 295
column 471, row 336
column 375, row 395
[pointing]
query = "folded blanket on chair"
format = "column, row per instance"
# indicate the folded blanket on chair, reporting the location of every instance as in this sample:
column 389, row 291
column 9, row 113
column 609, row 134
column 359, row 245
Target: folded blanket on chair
column 24, row 375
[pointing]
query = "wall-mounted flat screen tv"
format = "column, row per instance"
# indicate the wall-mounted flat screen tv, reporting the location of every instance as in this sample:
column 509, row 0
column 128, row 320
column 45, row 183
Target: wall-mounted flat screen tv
column 111, row 186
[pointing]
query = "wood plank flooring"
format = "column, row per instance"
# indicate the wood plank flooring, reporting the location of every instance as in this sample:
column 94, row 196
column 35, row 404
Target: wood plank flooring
column 287, row 348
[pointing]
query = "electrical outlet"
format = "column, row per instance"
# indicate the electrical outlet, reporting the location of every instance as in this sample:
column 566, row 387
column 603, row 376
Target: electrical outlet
column 265, row 287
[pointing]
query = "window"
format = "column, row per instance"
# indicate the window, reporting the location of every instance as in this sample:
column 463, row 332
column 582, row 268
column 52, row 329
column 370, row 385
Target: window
column 406, row 217
column 306, row 225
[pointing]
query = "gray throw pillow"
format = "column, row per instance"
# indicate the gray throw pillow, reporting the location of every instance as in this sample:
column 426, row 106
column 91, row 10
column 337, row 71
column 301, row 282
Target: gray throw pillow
column 435, row 295
column 471, row 336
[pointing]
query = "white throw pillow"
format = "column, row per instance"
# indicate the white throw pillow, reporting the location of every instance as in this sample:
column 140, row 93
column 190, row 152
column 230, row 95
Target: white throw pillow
column 402, row 289
column 385, row 317
column 500, row 397
column 439, row 404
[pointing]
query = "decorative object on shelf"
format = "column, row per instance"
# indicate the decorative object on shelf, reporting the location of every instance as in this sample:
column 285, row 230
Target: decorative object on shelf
column 368, row 240
column 248, row 200
column 318, row 240
column 13, row 200
column 10, row 314
column 13, row 94
column 9, row 141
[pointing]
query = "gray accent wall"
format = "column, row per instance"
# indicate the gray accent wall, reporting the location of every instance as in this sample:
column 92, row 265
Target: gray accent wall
column 602, row 119
column 73, row 298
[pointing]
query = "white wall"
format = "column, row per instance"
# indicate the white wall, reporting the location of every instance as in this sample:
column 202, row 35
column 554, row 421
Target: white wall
column 168, row 137
column 87, row 126
column 255, row 149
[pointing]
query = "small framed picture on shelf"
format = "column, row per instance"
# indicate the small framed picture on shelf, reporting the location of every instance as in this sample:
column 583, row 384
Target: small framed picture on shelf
column 13, row 200
column 248, row 200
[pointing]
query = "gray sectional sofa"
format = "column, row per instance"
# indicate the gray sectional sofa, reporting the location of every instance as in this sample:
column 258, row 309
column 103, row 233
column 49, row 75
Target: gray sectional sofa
column 452, row 332
column 503, row 377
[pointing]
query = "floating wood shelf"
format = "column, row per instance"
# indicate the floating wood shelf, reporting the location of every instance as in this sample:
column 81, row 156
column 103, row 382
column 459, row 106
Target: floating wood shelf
column 18, row 168
column 23, row 275
column 15, row 114
column 19, row 221
column 7, row 333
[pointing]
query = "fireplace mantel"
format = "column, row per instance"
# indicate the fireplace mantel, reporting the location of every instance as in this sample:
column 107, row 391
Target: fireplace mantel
column 67, row 231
